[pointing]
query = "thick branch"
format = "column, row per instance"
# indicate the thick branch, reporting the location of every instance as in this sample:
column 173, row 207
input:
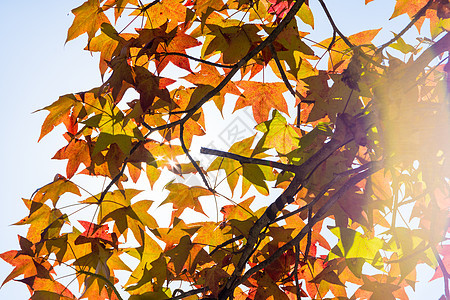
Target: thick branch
column 316, row 218
column 302, row 172
column 325, row 189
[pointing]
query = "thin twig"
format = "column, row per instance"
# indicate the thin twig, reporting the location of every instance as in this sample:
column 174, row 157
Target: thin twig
column 199, row 60
column 194, row 163
column 236, row 238
column 190, row 293
column 297, row 259
column 343, row 37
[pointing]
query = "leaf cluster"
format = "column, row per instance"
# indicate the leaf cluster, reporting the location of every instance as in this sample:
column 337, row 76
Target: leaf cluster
column 346, row 168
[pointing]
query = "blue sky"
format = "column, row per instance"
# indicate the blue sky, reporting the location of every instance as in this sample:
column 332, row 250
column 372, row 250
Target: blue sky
column 37, row 67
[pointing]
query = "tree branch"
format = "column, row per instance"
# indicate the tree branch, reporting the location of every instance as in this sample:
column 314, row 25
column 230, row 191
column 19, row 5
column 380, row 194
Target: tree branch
column 301, row 174
column 418, row 15
column 445, row 273
column 189, row 293
column 316, row 218
column 194, row 163
column 249, row 160
column 199, row 60
column 236, row 238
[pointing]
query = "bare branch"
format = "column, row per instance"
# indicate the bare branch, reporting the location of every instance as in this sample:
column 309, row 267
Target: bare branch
column 199, row 60
column 418, row 15
column 249, row 160
column 194, row 163
column 234, row 239
column 189, row 293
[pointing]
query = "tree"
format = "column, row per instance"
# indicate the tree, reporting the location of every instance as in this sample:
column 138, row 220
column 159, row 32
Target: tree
column 363, row 162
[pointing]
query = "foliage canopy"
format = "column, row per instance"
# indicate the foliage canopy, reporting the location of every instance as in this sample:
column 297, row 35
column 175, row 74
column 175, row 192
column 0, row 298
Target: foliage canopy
column 344, row 178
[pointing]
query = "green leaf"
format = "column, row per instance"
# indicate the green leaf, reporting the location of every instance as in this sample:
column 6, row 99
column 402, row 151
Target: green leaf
column 278, row 134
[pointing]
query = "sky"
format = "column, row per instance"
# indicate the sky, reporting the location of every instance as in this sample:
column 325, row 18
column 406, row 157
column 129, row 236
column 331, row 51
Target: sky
column 37, row 67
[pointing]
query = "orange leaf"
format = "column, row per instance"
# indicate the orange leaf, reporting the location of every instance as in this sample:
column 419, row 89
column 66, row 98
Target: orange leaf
column 76, row 152
column 183, row 196
column 88, row 19
column 262, row 97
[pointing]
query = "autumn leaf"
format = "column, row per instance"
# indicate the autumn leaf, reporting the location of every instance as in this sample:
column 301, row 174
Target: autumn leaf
column 278, row 134
column 147, row 253
column 183, row 196
column 209, row 75
column 262, row 97
column 353, row 244
column 88, row 19
column 25, row 263
column 59, row 112
column 77, row 152
column 54, row 190
column 171, row 11
column 363, row 38
column 178, row 44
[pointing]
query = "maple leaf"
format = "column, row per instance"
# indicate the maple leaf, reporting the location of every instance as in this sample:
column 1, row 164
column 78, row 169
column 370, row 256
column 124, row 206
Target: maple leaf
column 410, row 8
column 173, row 235
column 280, row 8
column 55, row 190
column 150, row 86
column 183, row 196
column 46, row 223
column 239, row 212
column 209, row 75
column 25, row 263
column 262, row 97
column 178, row 44
column 148, row 252
column 171, row 11
column 94, row 233
column 215, row 278
column 278, row 134
column 119, row 6
column 267, row 289
column 88, row 19
column 234, row 42
column 234, row 169
column 353, row 244
column 77, row 152
column 59, row 112
column 45, row 288
column 117, row 206
column 336, row 59
column 210, row 234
